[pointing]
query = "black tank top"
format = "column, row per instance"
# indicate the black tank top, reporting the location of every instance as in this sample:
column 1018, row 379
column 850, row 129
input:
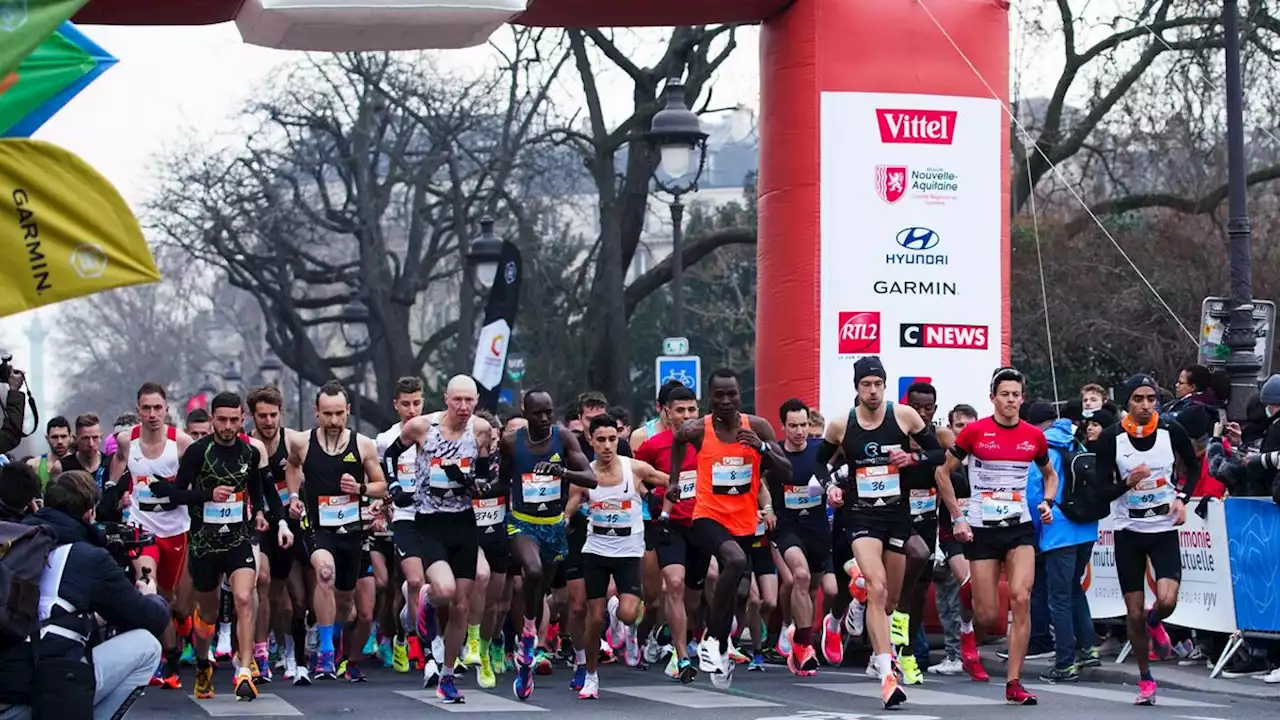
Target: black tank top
column 276, row 463
column 328, row 507
column 874, row 484
column 537, row 495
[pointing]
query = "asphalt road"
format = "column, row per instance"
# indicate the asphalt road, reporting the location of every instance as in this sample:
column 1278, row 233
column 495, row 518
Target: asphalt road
column 630, row 694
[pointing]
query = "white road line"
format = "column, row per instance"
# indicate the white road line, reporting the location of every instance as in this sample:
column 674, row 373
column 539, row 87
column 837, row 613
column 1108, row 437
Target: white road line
column 1125, row 697
column 476, row 702
column 228, row 706
column 687, row 697
column 915, row 695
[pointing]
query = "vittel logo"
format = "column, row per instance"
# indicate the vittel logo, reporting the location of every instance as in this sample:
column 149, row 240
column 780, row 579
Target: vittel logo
column 918, row 127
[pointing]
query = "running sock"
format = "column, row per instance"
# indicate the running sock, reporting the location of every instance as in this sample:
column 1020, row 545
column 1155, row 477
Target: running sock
column 447, row 672
column 1147, row 676
column 966, row 627
column 226, row 604
column 300, row 639
column 171, row 658
column 202, row 664
column 288, row 645
column 325, row 634
column 530, row 626
column 579, row 657
column 883, row 663
column 1152, row 619
column 473, row 633
column 259, row 650
column 802, row 636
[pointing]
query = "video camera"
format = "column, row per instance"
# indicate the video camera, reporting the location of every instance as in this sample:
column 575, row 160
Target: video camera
column 124, row 541
column 6, row 367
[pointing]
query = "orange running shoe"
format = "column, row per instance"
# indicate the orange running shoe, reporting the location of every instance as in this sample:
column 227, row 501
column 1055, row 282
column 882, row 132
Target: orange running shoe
column 890, row 693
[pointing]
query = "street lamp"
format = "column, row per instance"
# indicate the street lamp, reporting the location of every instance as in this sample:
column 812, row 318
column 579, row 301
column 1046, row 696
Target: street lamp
column 677, row 134
column 231, row 377
column 207, row 390
column 484, row 254
column 1242, row 364
column 271, row 369
column 355, row 331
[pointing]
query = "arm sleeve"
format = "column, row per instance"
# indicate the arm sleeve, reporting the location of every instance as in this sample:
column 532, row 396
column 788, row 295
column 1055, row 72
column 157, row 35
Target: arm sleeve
column 1186, row 450
column 266, row 489
column 1112, row 486
column 182, row 491
column 963, row 445
column 929, row 447
column 821, row 468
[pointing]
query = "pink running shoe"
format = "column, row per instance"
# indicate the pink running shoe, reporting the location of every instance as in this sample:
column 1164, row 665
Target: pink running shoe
column 1146, row 693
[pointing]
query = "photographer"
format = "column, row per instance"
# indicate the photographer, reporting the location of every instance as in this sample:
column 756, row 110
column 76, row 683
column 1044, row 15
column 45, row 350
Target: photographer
column 68, row 677
column 15, row 405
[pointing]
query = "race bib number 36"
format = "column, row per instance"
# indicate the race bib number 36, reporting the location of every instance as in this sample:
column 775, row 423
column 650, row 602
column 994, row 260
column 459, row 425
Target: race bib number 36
column 878, row 481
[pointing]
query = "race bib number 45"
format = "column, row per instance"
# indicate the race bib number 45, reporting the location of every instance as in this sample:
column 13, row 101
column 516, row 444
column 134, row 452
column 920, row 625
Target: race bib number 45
column 1003, row 508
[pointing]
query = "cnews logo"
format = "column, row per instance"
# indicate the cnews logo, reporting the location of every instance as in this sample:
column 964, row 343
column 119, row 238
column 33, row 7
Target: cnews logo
column 950, row 337
column 916, row 127
column 859, row 333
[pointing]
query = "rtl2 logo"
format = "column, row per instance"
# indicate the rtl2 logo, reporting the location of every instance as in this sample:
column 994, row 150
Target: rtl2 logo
column 859, row 333
column 917, row 127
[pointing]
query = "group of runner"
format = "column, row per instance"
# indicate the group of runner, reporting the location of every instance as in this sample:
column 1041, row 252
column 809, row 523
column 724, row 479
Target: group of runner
column 454, row 543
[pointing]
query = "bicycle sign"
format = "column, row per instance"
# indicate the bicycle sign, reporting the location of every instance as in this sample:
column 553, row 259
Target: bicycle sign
column 685, row 368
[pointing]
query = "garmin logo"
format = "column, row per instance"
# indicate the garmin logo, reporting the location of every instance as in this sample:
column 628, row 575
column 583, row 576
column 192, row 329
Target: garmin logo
column 36, row 260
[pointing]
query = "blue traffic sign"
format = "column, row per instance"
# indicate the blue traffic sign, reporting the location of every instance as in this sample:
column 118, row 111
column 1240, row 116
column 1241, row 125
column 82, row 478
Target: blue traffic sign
column 685, row 368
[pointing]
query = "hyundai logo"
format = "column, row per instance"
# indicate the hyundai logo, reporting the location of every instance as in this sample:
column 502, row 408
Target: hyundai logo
column 918, row 238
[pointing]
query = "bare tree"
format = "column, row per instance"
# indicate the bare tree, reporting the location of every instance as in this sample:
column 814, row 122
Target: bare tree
column 364, row 177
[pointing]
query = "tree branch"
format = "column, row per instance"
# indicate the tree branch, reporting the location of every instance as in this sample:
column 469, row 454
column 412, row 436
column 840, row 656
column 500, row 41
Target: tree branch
column 1202, row 205
column 695, row 249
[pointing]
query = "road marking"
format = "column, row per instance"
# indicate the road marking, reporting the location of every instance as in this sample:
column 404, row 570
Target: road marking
column 687, row 697
column 476, row 702
column 1197, row 717
column 915, row 696
column 1117, row 696
column 228, row 706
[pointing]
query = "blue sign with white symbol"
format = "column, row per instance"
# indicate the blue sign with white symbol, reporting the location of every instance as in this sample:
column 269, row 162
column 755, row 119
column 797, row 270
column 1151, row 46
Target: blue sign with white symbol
column 507, row 396
column 685, row 368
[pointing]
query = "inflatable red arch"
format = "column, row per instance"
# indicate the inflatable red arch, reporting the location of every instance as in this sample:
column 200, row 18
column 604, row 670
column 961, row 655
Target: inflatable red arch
column 884, row 178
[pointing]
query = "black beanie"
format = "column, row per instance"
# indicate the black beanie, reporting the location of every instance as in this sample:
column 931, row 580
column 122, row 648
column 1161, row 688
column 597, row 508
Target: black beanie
column 866, row 367
column 1133, row 383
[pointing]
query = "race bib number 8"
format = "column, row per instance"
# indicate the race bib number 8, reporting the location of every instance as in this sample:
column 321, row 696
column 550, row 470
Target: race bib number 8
column 339, row 510
column 731, row 476
column 225, row 513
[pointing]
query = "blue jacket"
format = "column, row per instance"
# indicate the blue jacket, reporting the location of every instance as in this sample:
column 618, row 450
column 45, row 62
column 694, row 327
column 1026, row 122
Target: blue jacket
column 1061, row 532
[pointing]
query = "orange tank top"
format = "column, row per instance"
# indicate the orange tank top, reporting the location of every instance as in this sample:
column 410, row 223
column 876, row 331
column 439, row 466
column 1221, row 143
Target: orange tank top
column 728, row 482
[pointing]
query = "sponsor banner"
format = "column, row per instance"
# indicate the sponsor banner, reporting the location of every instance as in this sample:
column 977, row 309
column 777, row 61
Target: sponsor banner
column 1253, row 532
column 911, row 218
column 1205, row 597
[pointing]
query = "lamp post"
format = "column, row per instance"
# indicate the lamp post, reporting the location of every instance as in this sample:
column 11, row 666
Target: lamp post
column 1241, row 362
column 271, row 370
column 207, row 390
column 355, row 331
column 484, row 254
column 677, row 134
column 231, row 377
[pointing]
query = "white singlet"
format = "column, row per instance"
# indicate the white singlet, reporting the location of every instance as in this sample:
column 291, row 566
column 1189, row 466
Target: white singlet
column 1145, row 508
column 616, row 528
column 405, row 472
column 153, row 514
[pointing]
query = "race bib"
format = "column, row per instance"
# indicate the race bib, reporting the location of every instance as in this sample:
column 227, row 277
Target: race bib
column 282, row 489
column 489, row 512
column 1154, row 493
column 225, row 513
column 535, row 489
column 438, row 479
column 924, row 502
column 878, row 481
column 612, row 517
column 339, row 510
column 688, row 484
column 406, row 478
column 798, row 497
column 1002, row 508
column 732, row 476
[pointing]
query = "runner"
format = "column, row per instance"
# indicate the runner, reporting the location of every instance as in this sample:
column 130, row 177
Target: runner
column 615, row 542
column 684, row 563
column 953, row 551
column 340, row 467
column 86, row 454
column 489, row 606
column 804, row 538
column 57, row 432
column 875, row 503
column 453, row 459
column 220, row 480
column 199, row 424
column 997, row 527
column 283, row 609
column 539, row 472
column 151, row 450
column 733, row 448
column 1140, row 455
column 408, row 402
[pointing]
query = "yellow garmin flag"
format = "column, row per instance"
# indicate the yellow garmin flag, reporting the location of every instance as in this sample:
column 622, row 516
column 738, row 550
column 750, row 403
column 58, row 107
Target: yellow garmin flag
column 64, row 230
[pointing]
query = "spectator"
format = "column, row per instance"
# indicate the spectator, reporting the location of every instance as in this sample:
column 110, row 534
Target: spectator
column 19, row 490
column 15, row 411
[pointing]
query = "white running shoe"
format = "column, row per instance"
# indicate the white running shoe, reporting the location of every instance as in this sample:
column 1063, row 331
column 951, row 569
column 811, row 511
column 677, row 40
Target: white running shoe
column 724, row 679
column 617, row 631
column 590, row 688
column 224, row 641
column 302, row 676
column 431, row 674
column 630, row 647
column 855, row 619
column 950, row 666
column 784, row 640
column 710, row 660
column 652, row 651
column 290, row 666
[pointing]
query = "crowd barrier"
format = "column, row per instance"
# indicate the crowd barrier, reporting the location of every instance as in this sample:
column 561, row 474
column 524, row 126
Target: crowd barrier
column 1230, row 573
